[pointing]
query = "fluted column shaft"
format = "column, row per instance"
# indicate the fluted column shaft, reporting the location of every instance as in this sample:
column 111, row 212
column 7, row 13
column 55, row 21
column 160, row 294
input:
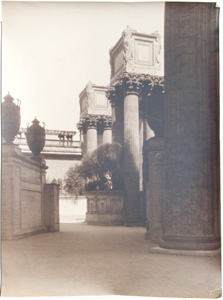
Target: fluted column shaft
column 91, row 139
column 107, row 135
column 131, row 156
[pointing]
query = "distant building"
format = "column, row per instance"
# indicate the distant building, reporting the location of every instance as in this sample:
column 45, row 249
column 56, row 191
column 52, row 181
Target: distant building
column 61, row 151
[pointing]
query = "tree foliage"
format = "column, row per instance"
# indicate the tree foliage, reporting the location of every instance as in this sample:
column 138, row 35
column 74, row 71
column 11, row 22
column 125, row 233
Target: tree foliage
column 99, row 170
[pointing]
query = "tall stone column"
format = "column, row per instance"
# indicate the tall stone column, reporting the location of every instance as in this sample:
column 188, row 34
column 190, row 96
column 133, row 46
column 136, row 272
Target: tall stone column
column 131, row 88
column 107, row 133
column 115, row 95
column 91, row 135
column 190, row 206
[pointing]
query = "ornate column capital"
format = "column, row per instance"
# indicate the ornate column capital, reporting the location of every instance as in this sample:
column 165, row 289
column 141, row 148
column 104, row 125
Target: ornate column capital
column 91, row 121
column 131, row 83
column 115, row 93
column 107, row 122
column 80, row 125
column 152, row 84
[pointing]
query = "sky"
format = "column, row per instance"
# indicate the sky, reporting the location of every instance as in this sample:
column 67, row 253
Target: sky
column 51, row 50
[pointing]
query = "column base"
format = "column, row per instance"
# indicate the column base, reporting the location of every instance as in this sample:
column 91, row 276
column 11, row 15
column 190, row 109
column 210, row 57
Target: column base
column 209, row 253
column 190, row 243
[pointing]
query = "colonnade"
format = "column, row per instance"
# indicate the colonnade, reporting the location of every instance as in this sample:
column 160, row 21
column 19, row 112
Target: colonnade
column 128, row 96
column 94, row 130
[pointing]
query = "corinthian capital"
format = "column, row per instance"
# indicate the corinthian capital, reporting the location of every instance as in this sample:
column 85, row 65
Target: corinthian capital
column 131, row 83
column 107, row 122
column 80, row 125
column 91, row 121
column 115, row 94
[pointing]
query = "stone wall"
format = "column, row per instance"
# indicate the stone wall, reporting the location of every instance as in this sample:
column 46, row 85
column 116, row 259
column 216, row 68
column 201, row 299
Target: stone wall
column 22, row 194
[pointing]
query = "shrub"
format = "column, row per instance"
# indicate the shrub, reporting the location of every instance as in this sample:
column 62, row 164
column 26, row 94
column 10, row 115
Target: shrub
column 99, row 170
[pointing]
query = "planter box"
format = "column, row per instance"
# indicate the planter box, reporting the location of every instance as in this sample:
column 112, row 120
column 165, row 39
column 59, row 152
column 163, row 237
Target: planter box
column 105, row 208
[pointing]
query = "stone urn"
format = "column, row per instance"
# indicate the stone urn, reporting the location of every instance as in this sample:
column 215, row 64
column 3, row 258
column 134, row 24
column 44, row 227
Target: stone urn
column 35, row 137
column 10, row 119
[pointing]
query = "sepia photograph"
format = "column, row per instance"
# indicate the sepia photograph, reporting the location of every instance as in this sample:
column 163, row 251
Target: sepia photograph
column 110, row 156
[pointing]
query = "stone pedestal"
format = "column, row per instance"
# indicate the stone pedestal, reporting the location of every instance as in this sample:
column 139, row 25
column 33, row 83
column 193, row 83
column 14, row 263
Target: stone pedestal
column 154, row 187
column 105, row 208
column 51, row 207
column 22, row 194
column 190, row 206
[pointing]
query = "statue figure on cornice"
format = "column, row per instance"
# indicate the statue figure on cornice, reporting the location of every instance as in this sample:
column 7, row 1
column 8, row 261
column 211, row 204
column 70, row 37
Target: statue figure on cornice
column 127, row 42
column 89, row 94
column 157, row 47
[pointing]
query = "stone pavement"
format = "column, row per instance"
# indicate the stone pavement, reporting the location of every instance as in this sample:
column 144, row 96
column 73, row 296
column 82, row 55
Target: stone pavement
column 92, row 260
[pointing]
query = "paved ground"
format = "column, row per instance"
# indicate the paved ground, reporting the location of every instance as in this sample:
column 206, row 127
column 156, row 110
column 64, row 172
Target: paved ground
column 92, row 260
